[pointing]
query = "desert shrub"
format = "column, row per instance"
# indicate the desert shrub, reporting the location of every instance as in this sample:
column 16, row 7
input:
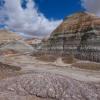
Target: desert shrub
column 87, row 65
column 37, row 54
column 47, row 58
column 69, row 59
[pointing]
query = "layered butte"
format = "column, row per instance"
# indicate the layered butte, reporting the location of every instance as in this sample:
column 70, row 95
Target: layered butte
column 78, row 35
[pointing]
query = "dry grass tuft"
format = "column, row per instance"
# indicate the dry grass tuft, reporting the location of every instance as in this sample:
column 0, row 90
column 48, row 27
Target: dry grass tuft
column 69, row 59
column 47, row 58
column 87, row 65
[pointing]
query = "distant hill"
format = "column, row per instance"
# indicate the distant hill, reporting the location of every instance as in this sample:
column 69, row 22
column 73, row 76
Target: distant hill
column 33, row 41
column 12, row 43
column 7, row 36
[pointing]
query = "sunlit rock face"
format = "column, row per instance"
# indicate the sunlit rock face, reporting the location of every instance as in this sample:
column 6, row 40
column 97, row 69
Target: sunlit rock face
column 78, row 34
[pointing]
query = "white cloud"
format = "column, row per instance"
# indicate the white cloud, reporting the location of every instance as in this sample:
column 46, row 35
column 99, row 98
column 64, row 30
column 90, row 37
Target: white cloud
column 29, row 20
column 92, row 6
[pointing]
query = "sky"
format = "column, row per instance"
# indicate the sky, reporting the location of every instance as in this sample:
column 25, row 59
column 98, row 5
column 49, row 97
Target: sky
column 40, row 17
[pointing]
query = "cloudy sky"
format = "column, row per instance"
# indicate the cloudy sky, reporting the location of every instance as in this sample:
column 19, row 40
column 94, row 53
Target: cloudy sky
column 41, row 17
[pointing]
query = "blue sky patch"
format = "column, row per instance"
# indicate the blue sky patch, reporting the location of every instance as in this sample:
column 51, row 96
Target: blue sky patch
column 58, row 9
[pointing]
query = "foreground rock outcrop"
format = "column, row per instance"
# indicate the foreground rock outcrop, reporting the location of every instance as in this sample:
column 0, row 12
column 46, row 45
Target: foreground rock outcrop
column 78, row 35
column 7, row 71
column 8, row 67
column 48, row 86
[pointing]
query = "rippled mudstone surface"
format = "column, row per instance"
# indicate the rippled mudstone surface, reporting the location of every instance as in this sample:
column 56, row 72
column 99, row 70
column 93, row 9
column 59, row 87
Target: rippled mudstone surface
column 48, row 86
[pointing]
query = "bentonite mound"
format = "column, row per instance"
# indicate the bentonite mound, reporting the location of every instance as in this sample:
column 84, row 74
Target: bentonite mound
column 78, row 35
column 48, row 86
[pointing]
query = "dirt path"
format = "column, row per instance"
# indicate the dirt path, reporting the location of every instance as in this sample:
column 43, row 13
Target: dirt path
column 30, row 64
column 75, row 73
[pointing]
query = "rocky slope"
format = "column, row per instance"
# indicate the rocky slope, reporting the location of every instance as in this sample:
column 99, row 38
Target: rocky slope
column 78, row 22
